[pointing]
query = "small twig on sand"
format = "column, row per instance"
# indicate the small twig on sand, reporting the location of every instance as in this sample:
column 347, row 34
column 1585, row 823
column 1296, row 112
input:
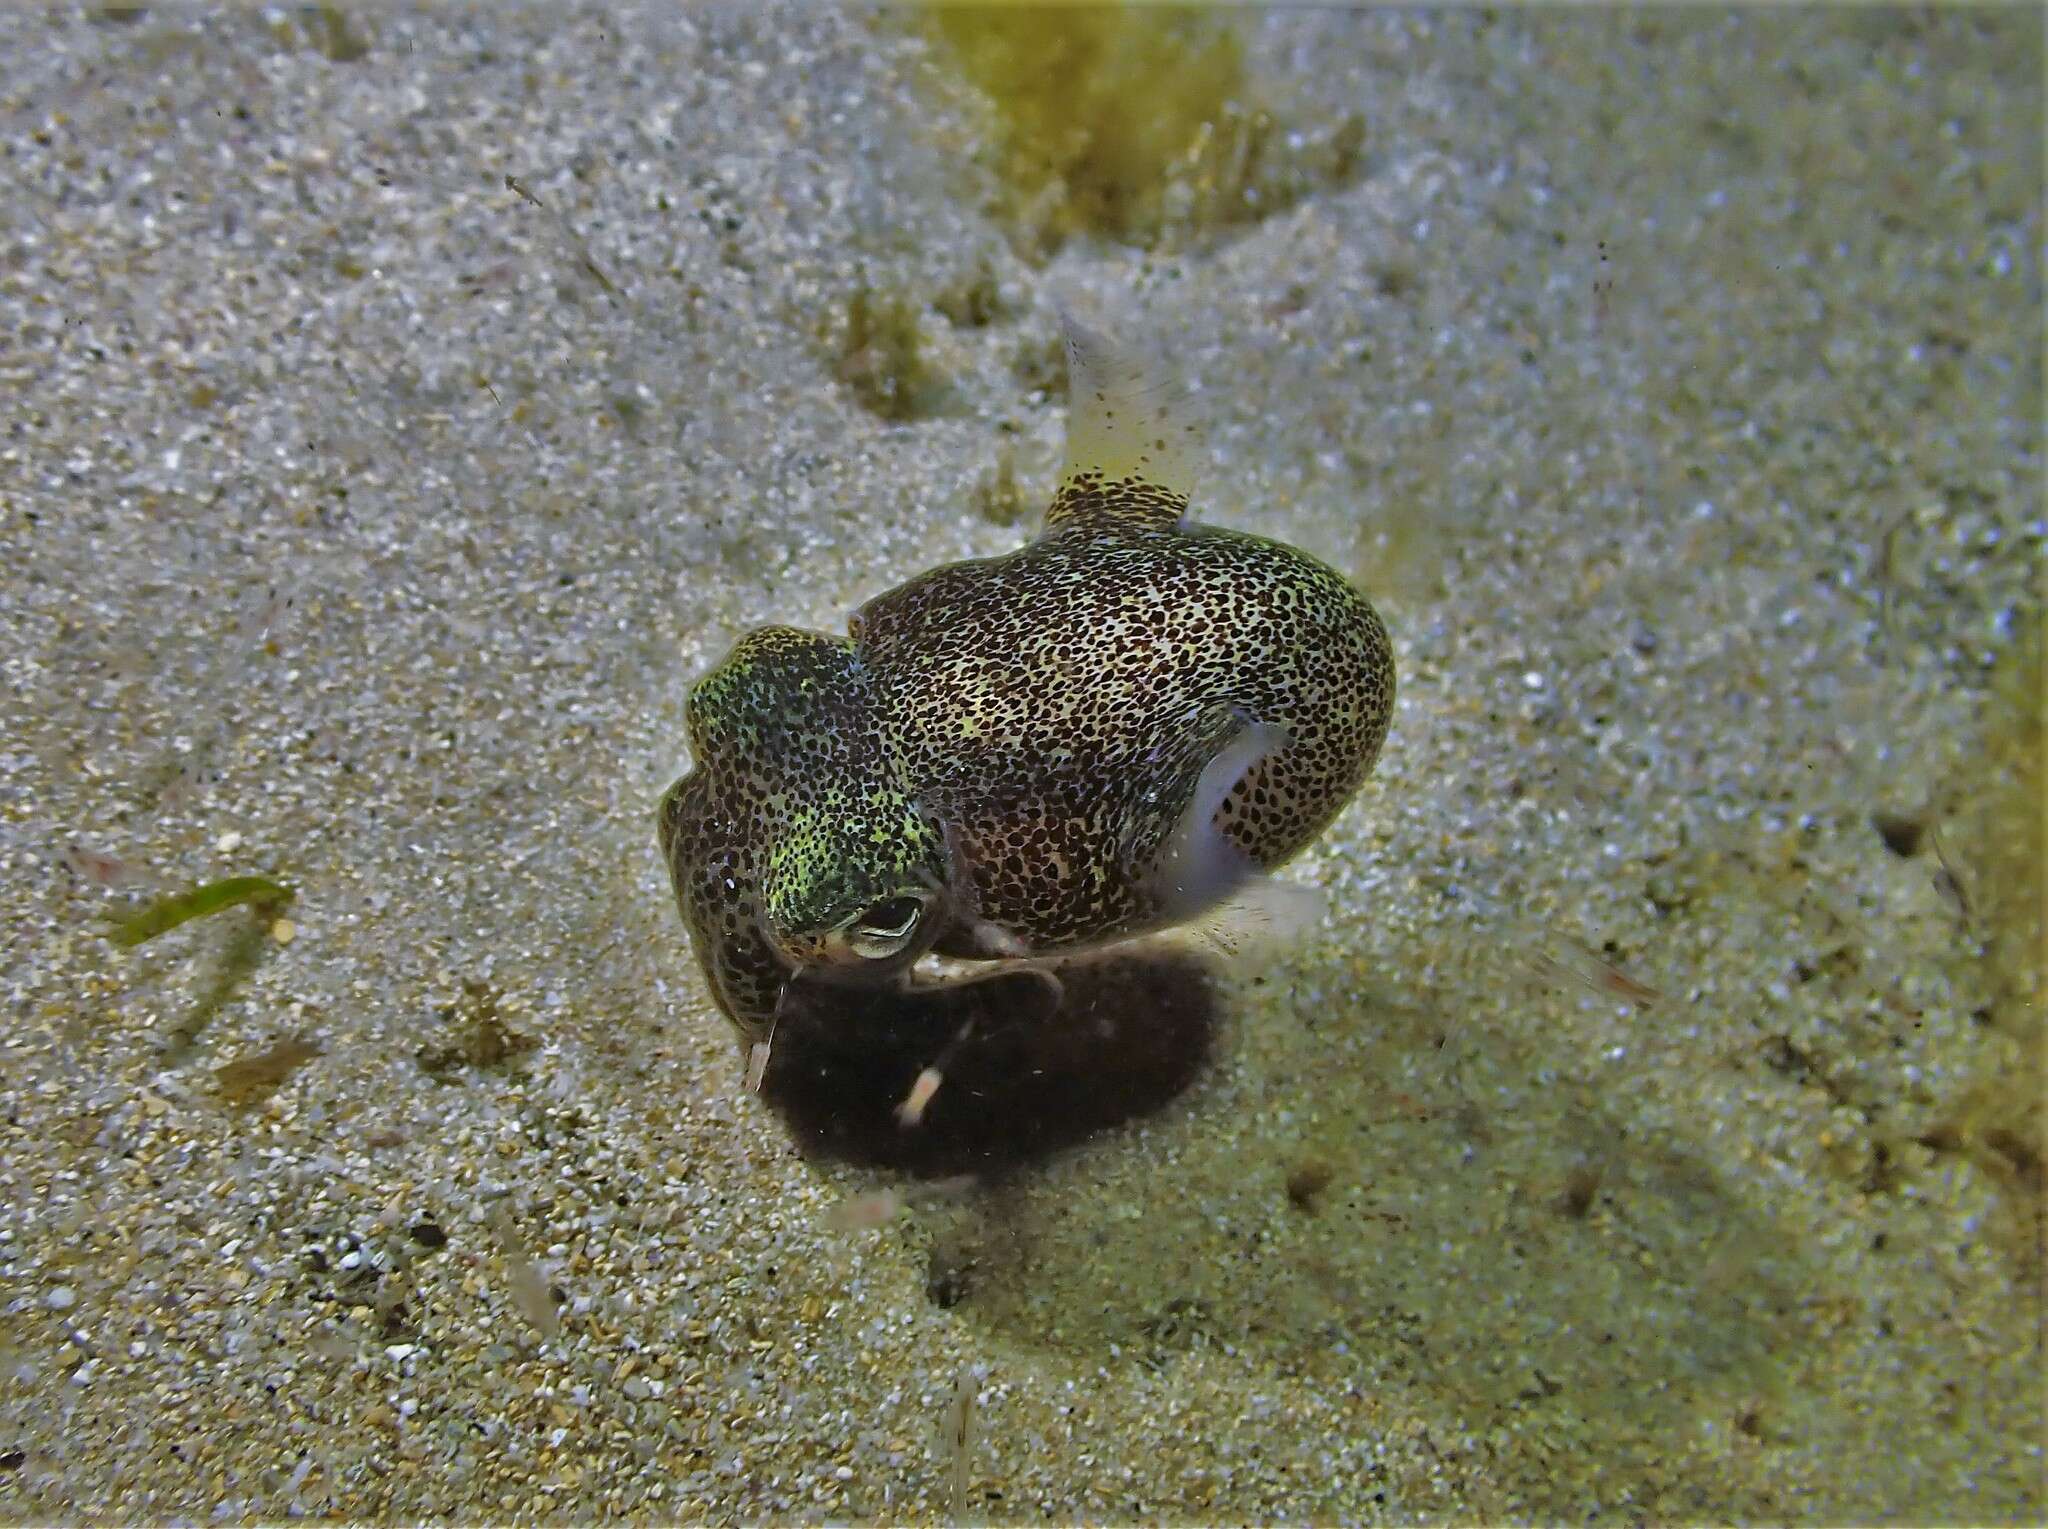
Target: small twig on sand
column 960, row 1437
column 576, row 245
column 1951, row 879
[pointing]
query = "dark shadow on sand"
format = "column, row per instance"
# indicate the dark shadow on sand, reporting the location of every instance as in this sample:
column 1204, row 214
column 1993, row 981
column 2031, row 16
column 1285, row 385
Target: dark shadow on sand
column 1128, row 1034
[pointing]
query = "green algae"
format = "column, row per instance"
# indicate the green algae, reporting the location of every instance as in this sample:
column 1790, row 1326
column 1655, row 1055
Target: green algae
column 1990, row 845
column 2001, row 833
column 878, row 352
column 997, row 498
column 1132, row 122
column 324, row 29
column 167, row 913
column 973, row 301
column 241, row 954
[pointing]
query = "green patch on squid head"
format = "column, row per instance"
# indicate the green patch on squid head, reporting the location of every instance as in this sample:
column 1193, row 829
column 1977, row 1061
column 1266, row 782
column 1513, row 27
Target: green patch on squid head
column 856, row 891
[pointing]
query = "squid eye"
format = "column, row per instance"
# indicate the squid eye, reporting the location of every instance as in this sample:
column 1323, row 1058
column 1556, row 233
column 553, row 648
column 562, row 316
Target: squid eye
column 885, row 929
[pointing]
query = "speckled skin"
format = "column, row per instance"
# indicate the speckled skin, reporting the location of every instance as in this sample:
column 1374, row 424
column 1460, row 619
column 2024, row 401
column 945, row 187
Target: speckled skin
column 1017, row 742
column 796, row 802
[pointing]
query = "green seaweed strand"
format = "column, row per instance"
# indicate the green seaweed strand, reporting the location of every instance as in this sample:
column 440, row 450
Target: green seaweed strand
column 211, row 897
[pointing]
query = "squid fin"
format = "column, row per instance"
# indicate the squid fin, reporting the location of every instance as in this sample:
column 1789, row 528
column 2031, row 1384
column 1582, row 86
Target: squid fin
column 1200, row 867
column 1260, row 919
column 1131, row 458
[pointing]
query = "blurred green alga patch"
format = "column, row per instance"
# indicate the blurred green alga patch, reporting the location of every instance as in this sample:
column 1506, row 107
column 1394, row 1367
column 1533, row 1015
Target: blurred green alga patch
column 248, row 942
column 2001, row 829
column 162, row 914
column 1991, row 851
column 877, row 351
column 1133, row 122
column 325, row 29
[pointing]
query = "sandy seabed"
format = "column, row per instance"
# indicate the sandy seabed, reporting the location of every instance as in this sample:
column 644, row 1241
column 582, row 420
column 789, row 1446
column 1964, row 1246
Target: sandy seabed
column 1644, row 1134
